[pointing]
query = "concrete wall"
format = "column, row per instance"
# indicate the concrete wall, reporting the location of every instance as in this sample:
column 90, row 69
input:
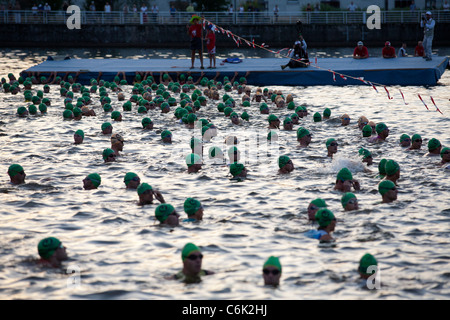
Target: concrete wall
column 154, row 36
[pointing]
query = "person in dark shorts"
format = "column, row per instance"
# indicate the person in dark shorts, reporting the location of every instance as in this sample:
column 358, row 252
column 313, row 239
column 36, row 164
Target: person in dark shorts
column 195, row 32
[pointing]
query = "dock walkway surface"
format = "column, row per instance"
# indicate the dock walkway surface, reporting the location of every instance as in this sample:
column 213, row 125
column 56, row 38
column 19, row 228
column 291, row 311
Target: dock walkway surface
column 407, row 71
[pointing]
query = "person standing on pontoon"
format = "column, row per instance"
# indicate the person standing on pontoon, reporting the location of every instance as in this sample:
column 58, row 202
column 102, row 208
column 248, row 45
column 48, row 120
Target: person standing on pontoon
column 428, row 24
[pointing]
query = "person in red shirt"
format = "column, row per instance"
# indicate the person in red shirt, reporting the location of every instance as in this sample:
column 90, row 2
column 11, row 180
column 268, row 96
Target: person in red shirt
column 419, row 51
column 388, row 51
column 360, row 51
column 211, row 46
column 195, row 32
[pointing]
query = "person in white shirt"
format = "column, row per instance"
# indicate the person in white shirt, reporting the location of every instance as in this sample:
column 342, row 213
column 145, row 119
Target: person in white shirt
column 428, row 25
column 352, row 7
column 107, row 7
column 402, row 51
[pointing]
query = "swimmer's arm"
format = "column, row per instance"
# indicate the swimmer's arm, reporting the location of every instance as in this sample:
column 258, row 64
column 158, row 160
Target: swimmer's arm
column 326, row 237
column 235, row 75
column 217, row 75
column 98, row 78
column 158, row 196
column 356, row 185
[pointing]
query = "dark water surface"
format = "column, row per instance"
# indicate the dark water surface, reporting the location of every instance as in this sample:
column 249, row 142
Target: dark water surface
column 118, row 251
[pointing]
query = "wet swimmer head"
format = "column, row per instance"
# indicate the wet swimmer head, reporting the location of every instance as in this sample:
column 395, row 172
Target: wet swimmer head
column 288, row 124
column 345, row 181
column 362, row 122
column 382, row 131
column 238, row 170
column 332, row 147
column 367, row 131
column 274, row 122
column 107, row 128
column 51, row 252
column 368, row 266
column 78, row 137
column 327, row 113
column 388, row 191
column 215, row 153
column 167, row 215
column 349, row 201
column 445, row 155
column 166, row 136
column 416, row 142
column 146, row 193
column 405, row 140
column 366, row 155
column 16, row 174
column 192, row 259
column 193, row 209
column 303, row 137
column 317, row 117
column 194, row 163
column 345, row 119
column 92, row 181
column 327, row 223
column 147, row 123
column 109, row 155
column 314, row 206
column 382, row 168
column 392, row 169
column 131, row 180
column 117, row 142
column 272, row 271
column 434, row 147
column 285, row 165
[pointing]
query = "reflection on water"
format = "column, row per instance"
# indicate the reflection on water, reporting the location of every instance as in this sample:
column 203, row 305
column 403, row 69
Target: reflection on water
column 120, row 252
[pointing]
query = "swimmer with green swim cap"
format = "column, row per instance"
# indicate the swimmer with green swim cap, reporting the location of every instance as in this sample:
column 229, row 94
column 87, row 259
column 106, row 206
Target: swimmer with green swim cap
column 272, row 271
column 368, row 266
column 326, row 113
column 332, row 147
column 367, row 131
column 366, row 155
column 167, row 215
column 274, row 122
column 16, row 174
column 194, row 163
column 434, row 147
column 349, row 201
column 382, row 168
column 445, row 156
column 383, row 132
column 314, row 206
column 234, row 154
column 147, row 123
column 327, row 223
column 116, row 116
column 392, row 169
column 78, row 137
column 285, row 165
column 345, row 181
column 416, row 142
column 166, row 136
column 117, row 143
column 52, row 252
column 317, row 117
column 288, row 124
column 238, row 170
column 216, row 153
column 146, row 193
column 405, row 140
column 388, row 191
column 192, row 259
column 109, row 155
column 131, row 180
column 107, row 128
column 303, row 137
column 196, row 146
column 193, row 209
column 92, row 181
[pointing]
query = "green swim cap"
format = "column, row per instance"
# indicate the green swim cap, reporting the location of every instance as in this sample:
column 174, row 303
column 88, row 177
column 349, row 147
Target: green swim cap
column 246, row 104
column 191, row 117
column 42, row 108
column 188, row 249
column 195, row 142
column 319, row 203
column 272, row 262
column 330, row 141
column 282, row 161
column 128, row 177
column 215, row 151
column 145, row 122
column 346, row 197
column 344, row 174
column 67, row 114
column 107, row 152
column 367, row 131
column 14, row 169
column 191, row 206
column 245, row 116
column 380, row 127
column 142, row 187
column 115, row 115
column 236, row 168
column 76, row 111
column 444, row 150
column 384, row 186
column 32, row 109
column 291, row 105
column 366, row 261
column 106, row 125
column 80, row 133
column 324, row 217
column 228, row 111
column 48, row 246
column 365, row 153
column 301, row 132
column 288, row 119
column 166, row 134
column 404, row 137
column 192, row 159
column 263, row 106
column 433, row 144
column 272, row 135
column 272, row 117
column 415, row 137
column 391, row 167
column 163, row 211
column 382, row 167
column 95, row 179
column 142, row 109
column 317, row 117
column 220, row 107
column 327, row 112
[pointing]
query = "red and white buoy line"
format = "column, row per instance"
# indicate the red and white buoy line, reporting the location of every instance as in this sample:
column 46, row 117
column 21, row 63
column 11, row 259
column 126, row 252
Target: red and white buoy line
column 238, row 40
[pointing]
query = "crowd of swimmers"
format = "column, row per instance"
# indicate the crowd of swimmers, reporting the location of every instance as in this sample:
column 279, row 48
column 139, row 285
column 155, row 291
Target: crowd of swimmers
column 147, row 95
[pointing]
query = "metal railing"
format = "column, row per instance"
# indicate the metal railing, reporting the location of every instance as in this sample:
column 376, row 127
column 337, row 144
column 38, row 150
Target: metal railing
column 219, row 18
